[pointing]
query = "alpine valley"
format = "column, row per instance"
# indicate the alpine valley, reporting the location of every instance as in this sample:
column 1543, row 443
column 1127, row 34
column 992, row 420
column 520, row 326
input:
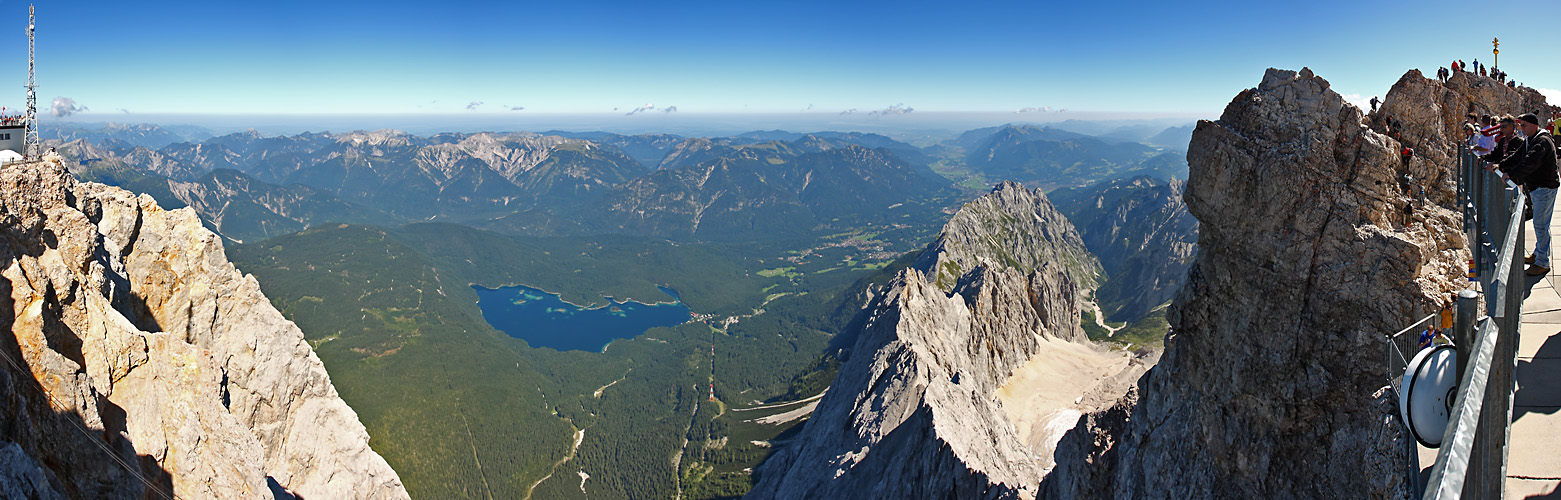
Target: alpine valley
column 791, row 251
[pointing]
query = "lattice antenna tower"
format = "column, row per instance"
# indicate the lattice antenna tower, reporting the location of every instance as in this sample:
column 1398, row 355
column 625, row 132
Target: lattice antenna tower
column 32, row 91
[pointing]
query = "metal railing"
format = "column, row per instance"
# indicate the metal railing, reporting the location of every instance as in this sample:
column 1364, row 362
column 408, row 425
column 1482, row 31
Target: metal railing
column 1472, row 460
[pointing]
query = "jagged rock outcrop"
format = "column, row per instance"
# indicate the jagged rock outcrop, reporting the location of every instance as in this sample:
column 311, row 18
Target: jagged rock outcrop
column 914, row 411
column 1311, row 249
column 140, row 363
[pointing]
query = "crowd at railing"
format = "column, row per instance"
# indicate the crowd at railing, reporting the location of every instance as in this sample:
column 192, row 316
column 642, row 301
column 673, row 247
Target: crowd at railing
column 1472, row 445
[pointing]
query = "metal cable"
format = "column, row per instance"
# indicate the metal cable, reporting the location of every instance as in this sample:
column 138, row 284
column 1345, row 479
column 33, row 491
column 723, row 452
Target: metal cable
column 53, row 404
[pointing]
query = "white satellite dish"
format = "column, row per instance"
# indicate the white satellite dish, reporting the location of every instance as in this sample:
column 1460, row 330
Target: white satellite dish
column 1428, row 392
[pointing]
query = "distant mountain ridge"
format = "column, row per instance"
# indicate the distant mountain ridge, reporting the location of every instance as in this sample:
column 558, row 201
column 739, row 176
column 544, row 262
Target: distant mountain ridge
column 526, row 183
column 130, row 134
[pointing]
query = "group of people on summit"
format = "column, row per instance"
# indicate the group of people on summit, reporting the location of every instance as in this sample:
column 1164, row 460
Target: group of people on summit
column 1525, row 153
column 1458, row 66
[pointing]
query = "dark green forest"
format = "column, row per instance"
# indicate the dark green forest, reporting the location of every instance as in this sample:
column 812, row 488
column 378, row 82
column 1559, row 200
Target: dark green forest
column 391, row 308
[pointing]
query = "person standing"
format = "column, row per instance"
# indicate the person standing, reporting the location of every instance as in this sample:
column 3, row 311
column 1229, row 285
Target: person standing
column 1374, row 103
column 1480, row 143
column 1537, row 169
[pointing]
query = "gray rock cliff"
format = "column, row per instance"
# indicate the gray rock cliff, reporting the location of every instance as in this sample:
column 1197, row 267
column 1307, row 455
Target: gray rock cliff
column 1310, row 251
column 140, row 363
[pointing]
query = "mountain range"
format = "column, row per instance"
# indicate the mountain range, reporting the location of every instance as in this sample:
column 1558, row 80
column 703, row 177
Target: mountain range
column 371, row 241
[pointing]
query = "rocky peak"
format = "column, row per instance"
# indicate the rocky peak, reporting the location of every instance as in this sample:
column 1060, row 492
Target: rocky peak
column 1010, row 227
column 378, row 138
column 128, row 328
column 1430, row 114
column 921, row 407
column 512, row 155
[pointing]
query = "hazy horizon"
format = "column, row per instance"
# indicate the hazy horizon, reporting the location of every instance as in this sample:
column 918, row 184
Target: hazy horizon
column 923, row 127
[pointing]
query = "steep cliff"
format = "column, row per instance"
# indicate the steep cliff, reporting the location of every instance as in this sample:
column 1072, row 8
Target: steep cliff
column 916, row 410
column 1311, row 249
column 139, row 363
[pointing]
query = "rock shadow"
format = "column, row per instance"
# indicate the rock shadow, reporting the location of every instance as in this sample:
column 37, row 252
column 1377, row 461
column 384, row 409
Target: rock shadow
column 78, row 460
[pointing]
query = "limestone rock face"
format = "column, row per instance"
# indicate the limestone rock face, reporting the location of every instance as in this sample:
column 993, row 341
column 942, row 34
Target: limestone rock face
column 1310, row 251
column 139, row 362
column 913, row 411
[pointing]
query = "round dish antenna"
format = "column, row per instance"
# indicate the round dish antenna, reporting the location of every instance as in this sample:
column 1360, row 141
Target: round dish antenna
column 1429, row 390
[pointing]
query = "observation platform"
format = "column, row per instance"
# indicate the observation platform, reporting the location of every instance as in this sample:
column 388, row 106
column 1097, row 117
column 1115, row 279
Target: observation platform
column 1534, row 450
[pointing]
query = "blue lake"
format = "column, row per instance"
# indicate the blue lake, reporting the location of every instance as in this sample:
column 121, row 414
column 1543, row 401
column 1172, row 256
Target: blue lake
column 542, row 319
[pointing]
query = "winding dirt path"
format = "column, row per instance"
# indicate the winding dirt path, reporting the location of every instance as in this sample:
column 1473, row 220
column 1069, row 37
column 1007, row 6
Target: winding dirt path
column 1100, row 319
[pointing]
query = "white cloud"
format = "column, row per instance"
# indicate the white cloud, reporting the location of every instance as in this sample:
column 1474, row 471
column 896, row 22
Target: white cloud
column 473, row 106
column 64, row 106
column 897, row 109
column 1360, row 101
column 1551, row 95
column 646, row 107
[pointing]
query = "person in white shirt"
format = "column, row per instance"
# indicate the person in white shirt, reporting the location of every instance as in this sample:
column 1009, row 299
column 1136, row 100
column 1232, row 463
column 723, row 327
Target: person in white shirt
column 1480, row 143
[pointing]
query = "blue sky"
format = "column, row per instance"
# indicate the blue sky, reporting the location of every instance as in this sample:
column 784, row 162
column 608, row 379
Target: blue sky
column 395, row 57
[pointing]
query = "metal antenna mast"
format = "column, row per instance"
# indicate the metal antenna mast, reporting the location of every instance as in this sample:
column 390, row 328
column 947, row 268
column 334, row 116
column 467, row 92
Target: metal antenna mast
column 32, row 92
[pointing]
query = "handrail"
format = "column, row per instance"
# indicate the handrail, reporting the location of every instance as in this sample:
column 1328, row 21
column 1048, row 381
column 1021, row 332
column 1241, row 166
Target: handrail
column 1473, row 456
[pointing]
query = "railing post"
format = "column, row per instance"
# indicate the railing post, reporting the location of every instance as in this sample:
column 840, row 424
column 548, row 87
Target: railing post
column 1463, row 329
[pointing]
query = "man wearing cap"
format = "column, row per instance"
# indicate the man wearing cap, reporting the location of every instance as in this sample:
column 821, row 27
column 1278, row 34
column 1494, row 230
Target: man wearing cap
column 1537, row 170
column 1504, row 143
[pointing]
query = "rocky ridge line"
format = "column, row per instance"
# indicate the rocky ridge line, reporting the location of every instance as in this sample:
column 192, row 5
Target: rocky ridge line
column 129, row 323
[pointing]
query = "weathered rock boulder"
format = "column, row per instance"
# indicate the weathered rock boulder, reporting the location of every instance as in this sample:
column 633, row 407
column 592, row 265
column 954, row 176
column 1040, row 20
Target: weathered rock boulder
column 140, row 363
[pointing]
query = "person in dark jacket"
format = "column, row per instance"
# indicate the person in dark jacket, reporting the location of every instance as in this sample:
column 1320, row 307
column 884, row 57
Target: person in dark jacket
column 1536, row 166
